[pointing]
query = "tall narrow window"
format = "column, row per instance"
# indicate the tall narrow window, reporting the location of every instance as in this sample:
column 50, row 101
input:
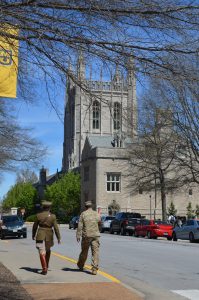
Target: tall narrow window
column 96, row 115
column 116, row 116
column 113, row 182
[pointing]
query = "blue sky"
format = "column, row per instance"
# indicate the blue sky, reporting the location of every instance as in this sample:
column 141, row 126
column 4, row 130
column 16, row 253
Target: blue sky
column 47, row 128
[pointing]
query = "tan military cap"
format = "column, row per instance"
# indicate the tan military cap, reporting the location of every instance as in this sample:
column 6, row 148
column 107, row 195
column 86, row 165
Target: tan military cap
column 45, row 203
column 88, row 203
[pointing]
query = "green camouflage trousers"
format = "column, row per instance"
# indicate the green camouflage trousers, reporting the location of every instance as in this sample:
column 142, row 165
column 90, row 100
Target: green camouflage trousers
column 85, row 244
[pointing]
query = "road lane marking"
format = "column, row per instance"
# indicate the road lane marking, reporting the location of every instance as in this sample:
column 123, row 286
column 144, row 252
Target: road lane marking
column 189, row 294
column 104, row 274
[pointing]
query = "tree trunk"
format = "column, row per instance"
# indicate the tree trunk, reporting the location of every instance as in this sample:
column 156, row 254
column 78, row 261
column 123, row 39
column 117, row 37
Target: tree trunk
column 163, row 196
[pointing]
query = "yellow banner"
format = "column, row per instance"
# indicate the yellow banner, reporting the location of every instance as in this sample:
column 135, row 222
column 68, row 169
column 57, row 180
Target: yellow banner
column 8, row 62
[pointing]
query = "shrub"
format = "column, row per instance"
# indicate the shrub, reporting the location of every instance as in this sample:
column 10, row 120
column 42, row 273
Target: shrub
column 31, row 218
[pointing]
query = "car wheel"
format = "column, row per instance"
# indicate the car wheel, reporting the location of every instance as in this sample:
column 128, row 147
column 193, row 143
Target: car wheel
column 149, row 235
column 101, row 230
column 25, row 235
column 191, row 237
column 174, row 237
column 19, row 235
column 131, row 233
column 136, row 234
column 123, row 231
column 169, row 238
column 2, row 236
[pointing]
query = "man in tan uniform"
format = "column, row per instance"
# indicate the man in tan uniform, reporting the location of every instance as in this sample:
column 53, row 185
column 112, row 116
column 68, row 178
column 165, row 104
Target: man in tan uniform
column 42, row 232
column 88, row 229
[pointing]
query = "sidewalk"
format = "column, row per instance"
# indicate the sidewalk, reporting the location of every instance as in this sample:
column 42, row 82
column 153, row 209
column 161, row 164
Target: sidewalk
column 75, row 285
column 21, row 278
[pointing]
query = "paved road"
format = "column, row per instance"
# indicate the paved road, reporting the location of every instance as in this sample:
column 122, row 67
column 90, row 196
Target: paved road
column 158, row 268
column 151, row 266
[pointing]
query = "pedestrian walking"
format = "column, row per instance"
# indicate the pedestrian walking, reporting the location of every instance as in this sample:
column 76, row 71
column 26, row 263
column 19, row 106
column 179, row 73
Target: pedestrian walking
column 88, row 229
column 42, row 232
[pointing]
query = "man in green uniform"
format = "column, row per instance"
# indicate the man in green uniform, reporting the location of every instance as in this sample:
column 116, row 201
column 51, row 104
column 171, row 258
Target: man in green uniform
column 42, row 232
column 88, row 229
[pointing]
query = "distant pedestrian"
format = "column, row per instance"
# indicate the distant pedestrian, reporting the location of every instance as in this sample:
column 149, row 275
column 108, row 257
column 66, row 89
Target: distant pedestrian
column 179, row 222
column 42, row 232
column 171, row 219
column 88, row 229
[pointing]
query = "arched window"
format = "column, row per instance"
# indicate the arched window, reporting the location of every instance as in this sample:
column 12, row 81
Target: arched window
column 116, row 116
column 96, row 115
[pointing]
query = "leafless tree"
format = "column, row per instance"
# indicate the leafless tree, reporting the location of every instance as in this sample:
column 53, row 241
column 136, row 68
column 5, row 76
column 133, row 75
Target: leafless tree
column 51, row 32
column 157, row 34
column 26, row 175
column 17, row 147
column 182, row 97
column 153, row 164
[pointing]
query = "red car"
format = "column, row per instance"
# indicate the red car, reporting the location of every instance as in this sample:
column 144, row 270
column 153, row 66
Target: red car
column 154, row 229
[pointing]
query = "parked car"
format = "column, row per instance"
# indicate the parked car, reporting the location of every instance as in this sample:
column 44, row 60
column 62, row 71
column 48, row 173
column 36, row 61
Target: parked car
column 187, row 231
column 12, row 225
column 106, row 222
column 141, row 229
column 125, row 222
column 154, row 229
column 73, row 223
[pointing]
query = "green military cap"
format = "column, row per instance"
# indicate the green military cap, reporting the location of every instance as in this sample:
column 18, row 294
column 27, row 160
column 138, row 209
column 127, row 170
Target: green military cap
column 45, row 203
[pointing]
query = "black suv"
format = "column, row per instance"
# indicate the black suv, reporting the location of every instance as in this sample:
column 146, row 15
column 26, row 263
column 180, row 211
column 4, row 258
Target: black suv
column 125, row 222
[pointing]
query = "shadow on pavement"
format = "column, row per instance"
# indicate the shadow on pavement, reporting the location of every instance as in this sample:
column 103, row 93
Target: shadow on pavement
column 33, row 270
column 76, row 270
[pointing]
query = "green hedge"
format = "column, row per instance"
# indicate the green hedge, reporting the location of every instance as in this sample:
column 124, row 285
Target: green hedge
column 31, row 218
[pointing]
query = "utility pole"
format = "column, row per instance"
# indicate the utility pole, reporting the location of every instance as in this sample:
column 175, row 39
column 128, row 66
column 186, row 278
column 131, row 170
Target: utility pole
column 150, row 207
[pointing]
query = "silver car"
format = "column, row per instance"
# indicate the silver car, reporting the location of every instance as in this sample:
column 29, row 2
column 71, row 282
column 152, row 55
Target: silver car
column 106, row 222
column 188, row 231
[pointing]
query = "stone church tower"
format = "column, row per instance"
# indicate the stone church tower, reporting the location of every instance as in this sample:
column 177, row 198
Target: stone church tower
column 97, row 108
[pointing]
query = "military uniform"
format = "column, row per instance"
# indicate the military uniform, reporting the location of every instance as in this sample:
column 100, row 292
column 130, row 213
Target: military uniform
column 42, row 232
column 88, row 229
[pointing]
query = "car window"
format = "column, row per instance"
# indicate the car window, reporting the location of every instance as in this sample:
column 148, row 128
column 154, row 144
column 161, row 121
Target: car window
column 132, row 215
column 7, row 219
column 118, row 216
column 185, row 224
column 135, row 221
column 160, row 222
column 190, row 222
column 109, row 218
column 145, row 222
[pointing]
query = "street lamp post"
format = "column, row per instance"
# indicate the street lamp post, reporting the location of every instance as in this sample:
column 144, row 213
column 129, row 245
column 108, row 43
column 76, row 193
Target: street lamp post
column 155, row 197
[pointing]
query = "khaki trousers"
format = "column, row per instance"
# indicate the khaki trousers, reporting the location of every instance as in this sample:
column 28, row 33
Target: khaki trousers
column 85, row 244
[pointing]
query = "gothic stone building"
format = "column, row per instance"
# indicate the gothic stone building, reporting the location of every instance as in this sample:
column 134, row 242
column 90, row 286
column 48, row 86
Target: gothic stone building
column 96, row 136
